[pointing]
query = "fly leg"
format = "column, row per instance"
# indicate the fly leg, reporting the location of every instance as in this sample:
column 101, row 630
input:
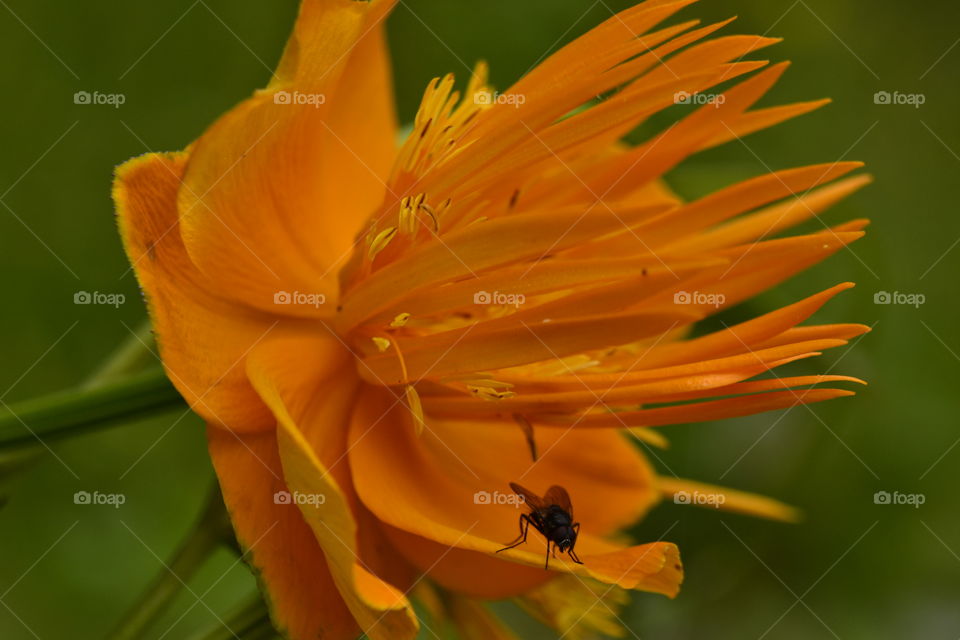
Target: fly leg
column 571, row 552
column 524, row 527
column 546, row 564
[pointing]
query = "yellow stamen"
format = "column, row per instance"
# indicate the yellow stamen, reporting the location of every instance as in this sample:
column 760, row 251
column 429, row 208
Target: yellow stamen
column 441, row 121
column 489, row 393
column 400, row 320
column 381, row 241
column 433, row 216
column 416, row 408
column 409, row 209
column 413, row 398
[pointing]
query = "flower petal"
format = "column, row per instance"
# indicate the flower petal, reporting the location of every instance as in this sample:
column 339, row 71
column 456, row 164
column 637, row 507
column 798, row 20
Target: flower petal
column 771, row 220
column 312, row 406
column 698, row 412
column 471, row 573
column 750, row 504
column 291, row 568
column 441, row 486
column 278, row 187
column 482, row 246
column 202, row 336
column 569, row 605
column 470, row 350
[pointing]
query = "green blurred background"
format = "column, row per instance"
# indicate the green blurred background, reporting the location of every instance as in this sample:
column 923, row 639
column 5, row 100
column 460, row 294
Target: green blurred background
column 852, row 569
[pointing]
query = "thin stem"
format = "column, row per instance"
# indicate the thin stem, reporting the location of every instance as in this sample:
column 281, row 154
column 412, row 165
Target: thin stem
column 79, row 410
column 249, row 622
column 210, row 531
column 134, row 354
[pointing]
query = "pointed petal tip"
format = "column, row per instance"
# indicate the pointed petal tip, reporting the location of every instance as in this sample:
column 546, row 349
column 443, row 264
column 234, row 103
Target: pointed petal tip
column 835, row 290
column 789, row 515
column 845, row 166
column 720, row 25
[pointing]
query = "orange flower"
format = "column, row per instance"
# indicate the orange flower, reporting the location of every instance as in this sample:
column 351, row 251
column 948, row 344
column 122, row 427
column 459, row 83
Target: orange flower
column 378, row 336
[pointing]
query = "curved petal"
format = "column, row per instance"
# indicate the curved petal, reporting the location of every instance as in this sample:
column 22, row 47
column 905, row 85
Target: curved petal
column 569, row 605
column 450, row 485
column 466, row 572
column 728, row 499
column 307, row 380
column 277, row 189
column 290, row 566
column 202, row 336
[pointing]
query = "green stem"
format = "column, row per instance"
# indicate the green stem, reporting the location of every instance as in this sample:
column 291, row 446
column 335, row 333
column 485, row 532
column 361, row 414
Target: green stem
column 249, row 622
column 132, row 355
column 79, row 410
column 136, row 352
column 263, row 631
column 115, row 394
column 210, row 531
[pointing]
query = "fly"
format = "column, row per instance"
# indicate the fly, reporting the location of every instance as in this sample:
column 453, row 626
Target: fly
column 552, row 516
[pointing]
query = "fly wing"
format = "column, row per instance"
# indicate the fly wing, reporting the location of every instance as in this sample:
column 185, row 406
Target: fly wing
column 531, row 499
column 558, row 495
